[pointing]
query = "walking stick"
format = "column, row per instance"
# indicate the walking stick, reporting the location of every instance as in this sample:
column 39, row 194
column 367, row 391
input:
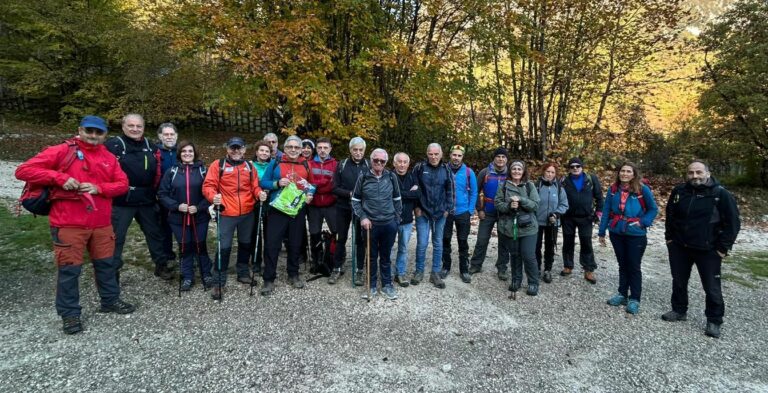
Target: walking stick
column 218, row 248
column 354, row 252
column 368, row 265
column 255, row 248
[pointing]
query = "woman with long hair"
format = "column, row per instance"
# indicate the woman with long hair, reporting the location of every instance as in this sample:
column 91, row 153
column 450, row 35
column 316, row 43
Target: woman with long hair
column 628, row 211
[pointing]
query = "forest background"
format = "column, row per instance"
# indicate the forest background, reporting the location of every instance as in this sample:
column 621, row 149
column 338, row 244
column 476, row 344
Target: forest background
column 658, row 82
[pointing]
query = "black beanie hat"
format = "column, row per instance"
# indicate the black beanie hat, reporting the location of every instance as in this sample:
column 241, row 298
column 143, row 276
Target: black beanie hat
column 501, row 151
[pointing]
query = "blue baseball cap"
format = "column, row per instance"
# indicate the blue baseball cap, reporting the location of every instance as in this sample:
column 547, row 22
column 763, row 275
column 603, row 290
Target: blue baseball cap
column 235, row 141
column 91, row 121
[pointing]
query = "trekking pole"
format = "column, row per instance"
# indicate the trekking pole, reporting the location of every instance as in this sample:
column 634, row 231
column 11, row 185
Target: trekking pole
column 354, row 252
column 217, row 209
column 554, row 239
column 255, row 248
column 181, row 250
column 197, row 249
column 368, row 265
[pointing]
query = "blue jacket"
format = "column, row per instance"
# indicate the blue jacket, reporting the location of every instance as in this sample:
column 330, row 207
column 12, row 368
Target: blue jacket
column 488, row 181
column 625, row 222
column 466, row 194
column 436, row 185
column 167, row 157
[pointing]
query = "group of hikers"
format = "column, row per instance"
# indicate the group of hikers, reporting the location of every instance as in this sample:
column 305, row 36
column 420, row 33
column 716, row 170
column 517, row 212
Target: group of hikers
column 97, row 186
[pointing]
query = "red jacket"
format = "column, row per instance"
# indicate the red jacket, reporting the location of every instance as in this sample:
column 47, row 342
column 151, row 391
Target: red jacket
column 238, row 185
column 322, row 178
column 95, row 164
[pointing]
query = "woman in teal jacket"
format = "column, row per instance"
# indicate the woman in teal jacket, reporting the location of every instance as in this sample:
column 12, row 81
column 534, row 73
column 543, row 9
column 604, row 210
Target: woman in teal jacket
column 628, row 211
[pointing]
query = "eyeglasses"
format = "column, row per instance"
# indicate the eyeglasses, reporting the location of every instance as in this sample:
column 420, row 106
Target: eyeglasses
column 94, row 130
column 379, row 161
column 292, row 147
column 272, row 142
column 235, row 147
column 575, row 166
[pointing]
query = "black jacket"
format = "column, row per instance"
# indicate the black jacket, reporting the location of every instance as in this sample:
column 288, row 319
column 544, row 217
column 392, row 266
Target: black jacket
column 139, row 160
column 703, row 217
column 377, row 198
column 345, row 178
column 173, row 191
column 410, row 198
column 584, row 203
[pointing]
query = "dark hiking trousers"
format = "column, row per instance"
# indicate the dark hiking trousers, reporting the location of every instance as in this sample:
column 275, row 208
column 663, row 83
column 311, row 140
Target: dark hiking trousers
column 586, row 255
column 708, row 263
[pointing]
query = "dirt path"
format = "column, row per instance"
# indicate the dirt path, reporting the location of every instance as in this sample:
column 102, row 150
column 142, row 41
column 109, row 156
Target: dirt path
column 324, row 338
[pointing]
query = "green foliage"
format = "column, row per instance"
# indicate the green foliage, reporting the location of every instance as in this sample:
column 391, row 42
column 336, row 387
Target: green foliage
column 90, row 57
column 736, row 102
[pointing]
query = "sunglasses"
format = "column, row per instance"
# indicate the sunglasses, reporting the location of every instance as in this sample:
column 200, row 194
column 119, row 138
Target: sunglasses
column 94, row 130
column 575, row 166
column 379, row 161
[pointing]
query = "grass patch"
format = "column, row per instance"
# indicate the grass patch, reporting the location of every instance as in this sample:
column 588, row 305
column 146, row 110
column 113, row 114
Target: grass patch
column 751, row 267
column 25, row 242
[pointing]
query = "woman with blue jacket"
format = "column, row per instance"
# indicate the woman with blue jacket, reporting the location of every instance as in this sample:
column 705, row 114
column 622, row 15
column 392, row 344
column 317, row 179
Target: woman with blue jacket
column 628, row 211
column 181, row 192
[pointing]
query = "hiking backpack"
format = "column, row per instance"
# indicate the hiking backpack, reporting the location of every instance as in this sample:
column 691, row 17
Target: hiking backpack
column 36, row 199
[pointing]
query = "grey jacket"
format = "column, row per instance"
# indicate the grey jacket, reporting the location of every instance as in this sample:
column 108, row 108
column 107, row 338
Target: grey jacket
column 552, row 199
column 377, row 198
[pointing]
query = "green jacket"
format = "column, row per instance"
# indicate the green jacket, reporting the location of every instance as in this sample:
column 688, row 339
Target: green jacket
column 529, row 204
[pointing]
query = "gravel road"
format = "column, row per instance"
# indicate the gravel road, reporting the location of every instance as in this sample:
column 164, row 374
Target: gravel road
column 465, row 338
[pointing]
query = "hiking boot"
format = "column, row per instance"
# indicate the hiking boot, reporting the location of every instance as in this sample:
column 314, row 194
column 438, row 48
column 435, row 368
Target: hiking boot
column 71, row 325
column 389, row 292
column 417, row 278
column 334, row 277
column 633, row 306
column 566, row 271
column 402, row 281
column 444, row 273
column 207, row 282
column 163, row 272
column 371, row 295
column 216, row 293
column 296, row 282
column 268, row 288
column 435, row 279
column 533, row 290
column 244, row 279
column 359, row 278
column 673, row 316
column 186, row 285
column 547, row 276
column 712, row 330
column 466, row 277
column 617, row 300
column 503, row 275
column 590, row 276
column 474, row 269
column 118, row 307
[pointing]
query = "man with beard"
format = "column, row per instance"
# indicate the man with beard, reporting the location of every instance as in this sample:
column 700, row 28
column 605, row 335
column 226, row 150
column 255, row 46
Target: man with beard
column 702, row 222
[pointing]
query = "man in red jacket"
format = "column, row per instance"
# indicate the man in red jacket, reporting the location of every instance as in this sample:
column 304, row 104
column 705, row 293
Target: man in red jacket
column 81, row 207
column 323, row 204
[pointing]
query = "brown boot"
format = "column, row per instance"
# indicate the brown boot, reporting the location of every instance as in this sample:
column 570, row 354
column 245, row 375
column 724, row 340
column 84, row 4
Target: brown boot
column 590, row 276
column 566, row 271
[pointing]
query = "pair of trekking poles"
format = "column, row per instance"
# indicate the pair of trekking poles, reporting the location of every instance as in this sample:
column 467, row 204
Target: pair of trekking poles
column 367, row 261
column 256, row 249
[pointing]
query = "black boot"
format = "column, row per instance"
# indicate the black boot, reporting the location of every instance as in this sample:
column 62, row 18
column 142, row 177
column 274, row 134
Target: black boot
column 316, row 247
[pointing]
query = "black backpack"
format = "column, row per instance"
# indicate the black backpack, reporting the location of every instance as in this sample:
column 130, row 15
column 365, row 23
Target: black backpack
column 326, row 265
